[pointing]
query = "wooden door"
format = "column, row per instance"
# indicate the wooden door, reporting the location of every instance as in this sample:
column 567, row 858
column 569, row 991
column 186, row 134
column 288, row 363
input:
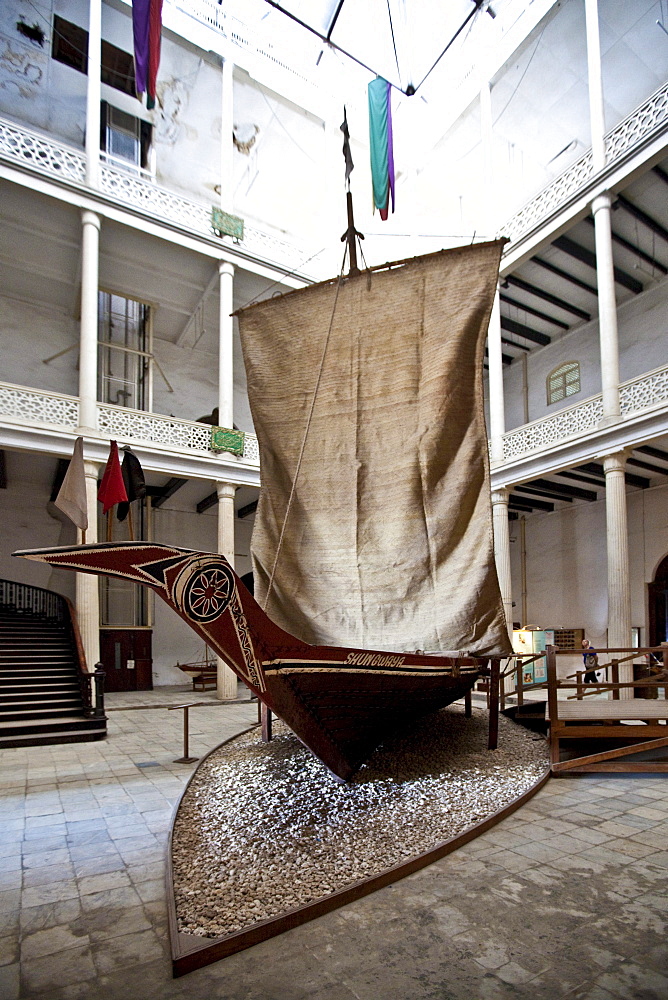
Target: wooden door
column 126, row 657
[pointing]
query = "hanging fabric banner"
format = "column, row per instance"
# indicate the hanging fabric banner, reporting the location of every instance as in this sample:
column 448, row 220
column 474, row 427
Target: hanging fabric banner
column 147, row 30
column 112, row 487
column 71, row 497
column 381, row 145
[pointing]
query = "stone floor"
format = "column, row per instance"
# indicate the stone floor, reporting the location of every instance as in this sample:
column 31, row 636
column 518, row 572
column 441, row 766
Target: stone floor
column 566, row 898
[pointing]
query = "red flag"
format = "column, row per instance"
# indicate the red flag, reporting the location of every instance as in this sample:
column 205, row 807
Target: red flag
column 112, row 487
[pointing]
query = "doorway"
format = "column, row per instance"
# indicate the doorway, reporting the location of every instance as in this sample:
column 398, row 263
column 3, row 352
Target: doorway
column 658, row 605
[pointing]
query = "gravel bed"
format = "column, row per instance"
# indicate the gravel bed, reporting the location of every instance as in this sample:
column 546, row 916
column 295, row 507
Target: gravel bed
column 264, row 828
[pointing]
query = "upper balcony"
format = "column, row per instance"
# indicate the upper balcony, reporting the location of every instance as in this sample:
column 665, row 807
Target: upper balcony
column 135, row 193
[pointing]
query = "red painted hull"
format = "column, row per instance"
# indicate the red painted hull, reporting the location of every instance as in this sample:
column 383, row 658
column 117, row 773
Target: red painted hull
column 341, row 702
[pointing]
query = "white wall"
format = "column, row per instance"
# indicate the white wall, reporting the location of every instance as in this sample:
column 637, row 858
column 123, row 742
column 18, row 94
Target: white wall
column 567, row 562
column 28, row 335
column 643, row 336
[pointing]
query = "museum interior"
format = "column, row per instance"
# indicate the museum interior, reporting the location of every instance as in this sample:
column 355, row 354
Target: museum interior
column 357, row 295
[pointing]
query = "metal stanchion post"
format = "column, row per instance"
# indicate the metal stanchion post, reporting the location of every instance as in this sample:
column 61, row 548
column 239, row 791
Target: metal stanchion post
column 186, row 759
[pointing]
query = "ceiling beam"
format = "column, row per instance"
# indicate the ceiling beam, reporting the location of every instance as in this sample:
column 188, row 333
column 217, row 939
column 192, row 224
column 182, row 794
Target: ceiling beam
column 207, row 502
column 513, row 505
column 513, row 343
column 643, row 217
column 560, row 273
column 588, row 257
column 540, row 293
column 249, row 509
column 168, row 490
column 571, row 491
column 582, row 479
column 512, row 326
column 506, row 358
column 660, row 172
column 652, row 261
column 595, row 469
column 531, row 503
column 543, row 493
column 647, row 449
column 534, row 312
column 647, row 465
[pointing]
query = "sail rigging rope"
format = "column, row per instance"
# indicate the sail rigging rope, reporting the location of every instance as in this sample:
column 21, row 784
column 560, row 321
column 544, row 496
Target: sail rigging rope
column 306, row 430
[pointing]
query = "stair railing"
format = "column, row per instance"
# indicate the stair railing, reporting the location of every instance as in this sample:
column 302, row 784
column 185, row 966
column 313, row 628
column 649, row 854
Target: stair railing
column 26, row 599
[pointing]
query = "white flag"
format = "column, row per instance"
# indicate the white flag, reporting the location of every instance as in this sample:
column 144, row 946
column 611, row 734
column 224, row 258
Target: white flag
column 71, row 497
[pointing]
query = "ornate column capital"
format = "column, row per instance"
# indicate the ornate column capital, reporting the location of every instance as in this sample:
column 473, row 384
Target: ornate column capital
column 603, row 200
column 615, row 462
column 500, row 496
column 225, row 491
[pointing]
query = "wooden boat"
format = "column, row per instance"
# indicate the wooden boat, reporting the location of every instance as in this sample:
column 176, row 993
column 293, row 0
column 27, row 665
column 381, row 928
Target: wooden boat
column 340, row 702
column 373, row 529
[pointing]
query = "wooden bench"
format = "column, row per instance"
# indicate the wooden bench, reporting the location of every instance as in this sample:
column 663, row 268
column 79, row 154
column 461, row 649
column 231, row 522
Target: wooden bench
column 616, row 717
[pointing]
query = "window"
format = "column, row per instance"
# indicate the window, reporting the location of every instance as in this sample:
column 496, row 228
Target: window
column 125, row 351
column 564, row 381
column 124, row 138
column 70, row 46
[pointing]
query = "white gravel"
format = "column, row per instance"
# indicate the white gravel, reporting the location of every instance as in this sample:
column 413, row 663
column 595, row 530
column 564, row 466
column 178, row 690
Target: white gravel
column 264, row 828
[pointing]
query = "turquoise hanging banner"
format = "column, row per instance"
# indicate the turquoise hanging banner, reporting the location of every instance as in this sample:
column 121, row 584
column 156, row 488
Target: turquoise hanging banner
column 381, row 145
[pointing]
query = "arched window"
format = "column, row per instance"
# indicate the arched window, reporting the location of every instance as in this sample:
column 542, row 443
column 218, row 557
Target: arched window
column 564, row 381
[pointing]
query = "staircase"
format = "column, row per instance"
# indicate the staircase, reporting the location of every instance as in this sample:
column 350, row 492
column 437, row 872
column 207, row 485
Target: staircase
column 42, row 681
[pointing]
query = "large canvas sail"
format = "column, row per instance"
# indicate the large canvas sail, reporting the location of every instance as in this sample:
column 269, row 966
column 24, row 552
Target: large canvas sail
column 374, row 523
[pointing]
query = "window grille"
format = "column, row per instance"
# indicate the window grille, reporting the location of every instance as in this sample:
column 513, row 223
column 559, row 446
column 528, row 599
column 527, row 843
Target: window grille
column 564, row 381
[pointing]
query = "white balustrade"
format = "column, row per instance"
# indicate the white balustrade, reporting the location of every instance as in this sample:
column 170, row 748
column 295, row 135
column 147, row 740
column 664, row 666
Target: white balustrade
column 635, row 127
column 58, row 160
column 41, row 152
column 636, row 395
column 34, row 406
column 18, row 402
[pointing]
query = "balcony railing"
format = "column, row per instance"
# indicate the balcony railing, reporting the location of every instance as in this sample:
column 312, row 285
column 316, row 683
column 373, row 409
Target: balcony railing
column 57, row 160
column 644, row 120
column 52, row 409
column 635, row 395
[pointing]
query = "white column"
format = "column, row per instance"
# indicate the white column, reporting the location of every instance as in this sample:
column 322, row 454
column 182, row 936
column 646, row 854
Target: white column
column 226, row 144
column 226, row 687
column 601, row 210
column 226, row 346
column 607, row 309
column 595, row 85
column 93, row 93
column 502, row 552
column 90, row 250
column 87, row 589
column 497, row 416
column 619, row 595
column 488, row 199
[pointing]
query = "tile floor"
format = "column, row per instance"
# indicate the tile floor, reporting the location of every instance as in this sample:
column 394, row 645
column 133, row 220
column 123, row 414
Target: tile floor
column 566, row 898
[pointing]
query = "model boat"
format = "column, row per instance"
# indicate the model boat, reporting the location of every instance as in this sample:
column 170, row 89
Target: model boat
column 373, row 535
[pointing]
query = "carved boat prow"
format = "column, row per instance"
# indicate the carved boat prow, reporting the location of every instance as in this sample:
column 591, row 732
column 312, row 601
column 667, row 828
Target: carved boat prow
column 340, row 701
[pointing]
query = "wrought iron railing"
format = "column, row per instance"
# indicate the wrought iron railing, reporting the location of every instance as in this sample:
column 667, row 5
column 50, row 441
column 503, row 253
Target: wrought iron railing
column 26, row 599
column 635, row 395
column 46, row 605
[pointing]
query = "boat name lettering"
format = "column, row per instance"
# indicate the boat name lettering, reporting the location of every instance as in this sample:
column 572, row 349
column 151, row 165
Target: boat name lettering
column 374, row 660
